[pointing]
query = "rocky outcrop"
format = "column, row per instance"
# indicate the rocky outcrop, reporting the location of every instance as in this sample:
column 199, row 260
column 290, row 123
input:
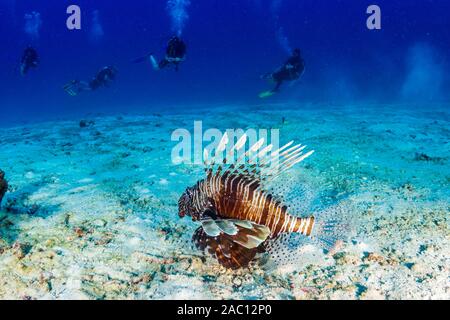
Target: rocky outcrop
column 3, row 185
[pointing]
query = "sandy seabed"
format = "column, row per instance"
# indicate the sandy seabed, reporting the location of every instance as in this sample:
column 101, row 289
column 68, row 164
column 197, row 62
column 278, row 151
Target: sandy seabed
column 91, row 213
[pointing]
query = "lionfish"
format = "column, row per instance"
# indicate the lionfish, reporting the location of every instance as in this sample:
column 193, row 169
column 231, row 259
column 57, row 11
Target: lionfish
column 238, row 215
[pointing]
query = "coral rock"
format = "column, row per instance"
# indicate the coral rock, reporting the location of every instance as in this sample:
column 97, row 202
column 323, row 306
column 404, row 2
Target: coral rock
column 3, row 185
column 86, row 123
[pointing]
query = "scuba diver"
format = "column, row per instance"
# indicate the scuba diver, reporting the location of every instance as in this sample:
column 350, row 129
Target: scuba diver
column 175, row 54
column 103, row 78
column 291, row 70
column 30, row 59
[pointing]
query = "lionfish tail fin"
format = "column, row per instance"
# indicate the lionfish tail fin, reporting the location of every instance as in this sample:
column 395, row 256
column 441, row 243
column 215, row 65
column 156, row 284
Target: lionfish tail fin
column 331, row 228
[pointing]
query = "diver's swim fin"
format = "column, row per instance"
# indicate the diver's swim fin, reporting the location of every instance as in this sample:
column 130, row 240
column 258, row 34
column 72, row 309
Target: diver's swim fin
column 141, row 59
column 69, row 88
column 155, row 63
column 266, row 94
column 23, row 70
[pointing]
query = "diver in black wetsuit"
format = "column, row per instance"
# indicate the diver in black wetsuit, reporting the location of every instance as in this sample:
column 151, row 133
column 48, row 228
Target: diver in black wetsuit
column 175, row 54
column 103, row 78
column 30, row 59
column 291, row 70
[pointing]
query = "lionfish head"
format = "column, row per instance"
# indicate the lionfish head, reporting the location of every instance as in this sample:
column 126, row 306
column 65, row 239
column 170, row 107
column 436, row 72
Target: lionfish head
column 185, row 204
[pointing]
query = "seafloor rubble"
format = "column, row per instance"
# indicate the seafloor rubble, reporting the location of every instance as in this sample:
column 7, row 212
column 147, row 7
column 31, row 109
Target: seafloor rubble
column 91, row 211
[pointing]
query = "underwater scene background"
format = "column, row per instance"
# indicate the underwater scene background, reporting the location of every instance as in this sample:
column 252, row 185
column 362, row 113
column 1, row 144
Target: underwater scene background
column 230, row 44
column 91, row 205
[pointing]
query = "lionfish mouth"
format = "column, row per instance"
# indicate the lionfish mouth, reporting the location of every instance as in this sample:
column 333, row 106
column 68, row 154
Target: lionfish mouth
column 181, row 213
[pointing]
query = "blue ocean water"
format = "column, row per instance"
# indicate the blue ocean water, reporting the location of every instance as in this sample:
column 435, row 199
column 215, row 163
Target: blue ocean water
column 230, row 44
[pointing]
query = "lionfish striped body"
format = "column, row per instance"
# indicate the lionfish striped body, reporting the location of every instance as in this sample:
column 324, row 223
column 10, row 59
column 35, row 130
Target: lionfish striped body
column 237, row 197
column 237, row 214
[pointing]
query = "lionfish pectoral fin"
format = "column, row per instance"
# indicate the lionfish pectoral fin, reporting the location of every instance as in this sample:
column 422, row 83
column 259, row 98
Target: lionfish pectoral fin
column 247, row 233
column 210, row 227
column 253, row 237
column 243, row 223
column 215, row 227
column 250, row 243
column 227, row 226
column 227, row 252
